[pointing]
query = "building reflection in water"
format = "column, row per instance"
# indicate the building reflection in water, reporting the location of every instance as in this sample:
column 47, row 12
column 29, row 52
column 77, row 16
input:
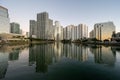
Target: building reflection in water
column 8, row 53
column 47, row 54
column 3, row 63
column 14, row 55
column 42, row 56
column 103, row 55
column 115, row 48
column 32, row 55
column 14, row 51
column 75, row 52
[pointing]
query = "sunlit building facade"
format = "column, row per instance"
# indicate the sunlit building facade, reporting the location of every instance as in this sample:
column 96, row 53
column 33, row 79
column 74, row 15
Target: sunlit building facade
column 104, row 30
column 4, row 20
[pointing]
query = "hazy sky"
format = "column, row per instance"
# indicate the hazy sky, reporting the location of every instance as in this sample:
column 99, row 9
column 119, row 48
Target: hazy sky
column 67, row 12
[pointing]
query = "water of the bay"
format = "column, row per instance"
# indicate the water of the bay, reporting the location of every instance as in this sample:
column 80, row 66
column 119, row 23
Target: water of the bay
column 58, row 61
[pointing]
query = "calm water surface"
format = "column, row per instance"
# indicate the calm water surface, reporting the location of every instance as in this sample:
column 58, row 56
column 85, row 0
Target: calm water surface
column 59, row 61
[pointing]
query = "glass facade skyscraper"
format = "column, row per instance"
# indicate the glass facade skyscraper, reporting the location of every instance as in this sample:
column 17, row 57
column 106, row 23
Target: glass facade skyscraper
column 4, row 20
column 42, row 25
column 33, row 28
column 45, row 27
column 15, row 28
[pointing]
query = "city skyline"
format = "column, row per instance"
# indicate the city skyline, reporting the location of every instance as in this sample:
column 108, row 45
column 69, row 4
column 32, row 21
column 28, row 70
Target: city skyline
column 44, row 29
column 67, row 12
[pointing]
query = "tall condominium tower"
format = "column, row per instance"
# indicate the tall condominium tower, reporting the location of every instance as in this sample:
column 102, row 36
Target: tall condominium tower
column 51, row 30
column 33, row 29
column 65, row 33
column 43, row 25
column 58, row 31
column 82, row 31
column 69, row 32
column 14, row 28
column 104, row 30
column 4, row 20
column 74, row 32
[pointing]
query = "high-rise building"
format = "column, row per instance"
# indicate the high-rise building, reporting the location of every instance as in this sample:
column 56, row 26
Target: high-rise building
column 61, row 32
column 14, row 28
column 33, row 29
column 69, row 32
column 4, row 20
column 51, row 30
column 42, row 25
column 104, row 30
column 65, row 33
column 92, row 34
column 58, row 31
column 74, row 33
column 82, row 31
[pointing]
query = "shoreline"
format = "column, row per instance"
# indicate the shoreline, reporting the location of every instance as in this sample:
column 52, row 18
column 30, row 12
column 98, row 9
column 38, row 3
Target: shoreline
column 43, row 42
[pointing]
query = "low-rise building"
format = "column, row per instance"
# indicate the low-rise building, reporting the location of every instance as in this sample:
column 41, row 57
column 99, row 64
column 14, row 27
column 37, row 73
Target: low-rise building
column 115, row 37
column 11, row 37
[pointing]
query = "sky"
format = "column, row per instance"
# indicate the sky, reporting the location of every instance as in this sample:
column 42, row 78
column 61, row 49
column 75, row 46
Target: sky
column 67, row 12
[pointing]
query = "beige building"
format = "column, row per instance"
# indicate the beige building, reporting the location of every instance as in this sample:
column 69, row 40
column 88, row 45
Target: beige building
column 104, row 30
column 11, row 37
